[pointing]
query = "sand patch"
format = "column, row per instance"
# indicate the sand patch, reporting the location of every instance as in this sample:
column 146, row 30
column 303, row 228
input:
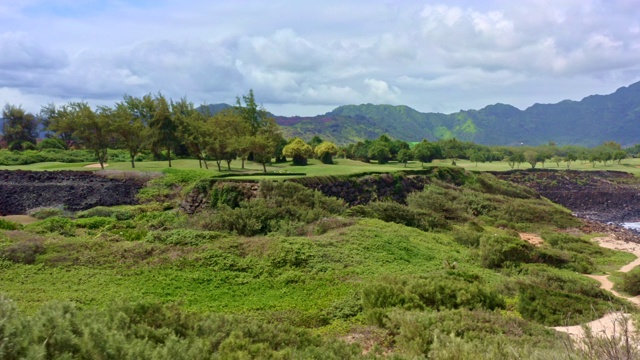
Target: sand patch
column 95, row 165
column 613, row 324
column 533, row 239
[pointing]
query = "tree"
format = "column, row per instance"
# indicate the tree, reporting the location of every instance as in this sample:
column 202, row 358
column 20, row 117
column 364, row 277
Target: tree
column 218, row 136
column 298, row 150
column 59, row 122
column 130, row 128
column 532, row 158
column 619, row 155
column 404, row 156
column 379, row 150
column 477, row 157
column 196, row 133
column 263, row 144
column 164, row 129
column 519, row 158
column 19, row 128
column 557, row 160
column 315, row 141
column 426, row 152
column 325, row 152
column 452, row 149
column 570, row 157
column 94, row 130
column 255, row 118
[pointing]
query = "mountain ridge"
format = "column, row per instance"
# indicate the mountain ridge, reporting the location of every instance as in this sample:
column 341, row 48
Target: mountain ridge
column 588, row 122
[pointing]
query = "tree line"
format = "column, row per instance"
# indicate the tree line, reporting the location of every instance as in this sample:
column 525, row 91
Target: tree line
column 245, row 131
column 385, row 149
column 162, row 126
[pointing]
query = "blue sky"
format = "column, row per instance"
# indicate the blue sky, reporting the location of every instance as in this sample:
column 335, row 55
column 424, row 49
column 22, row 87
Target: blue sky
column 304, row 58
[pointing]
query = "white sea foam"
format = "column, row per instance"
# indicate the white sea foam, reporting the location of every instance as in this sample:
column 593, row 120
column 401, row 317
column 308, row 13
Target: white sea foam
column 633, row 226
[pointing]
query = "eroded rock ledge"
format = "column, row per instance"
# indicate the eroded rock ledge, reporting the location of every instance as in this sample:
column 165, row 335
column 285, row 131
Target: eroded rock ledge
column 21, row 191
column 606, row 196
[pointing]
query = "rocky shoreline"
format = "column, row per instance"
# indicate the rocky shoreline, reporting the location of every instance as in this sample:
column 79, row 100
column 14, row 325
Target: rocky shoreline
column 603, row 196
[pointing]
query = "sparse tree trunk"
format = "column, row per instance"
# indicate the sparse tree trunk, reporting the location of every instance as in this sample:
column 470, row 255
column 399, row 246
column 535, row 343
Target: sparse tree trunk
column 169, row 155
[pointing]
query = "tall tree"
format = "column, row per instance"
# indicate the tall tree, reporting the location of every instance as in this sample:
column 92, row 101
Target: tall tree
column 93, row 129
column 249, row 110
column 228, row 129
column 163, row 126
column 426, row 152
column 58, row 121
column 130, row 127
column 195, row 133
column 19, row 128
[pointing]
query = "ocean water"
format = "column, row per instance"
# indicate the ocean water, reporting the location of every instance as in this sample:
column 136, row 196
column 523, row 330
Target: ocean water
column 633, row 226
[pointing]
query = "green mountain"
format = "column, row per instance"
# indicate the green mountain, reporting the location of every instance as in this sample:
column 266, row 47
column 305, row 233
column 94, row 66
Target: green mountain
column 591, row 121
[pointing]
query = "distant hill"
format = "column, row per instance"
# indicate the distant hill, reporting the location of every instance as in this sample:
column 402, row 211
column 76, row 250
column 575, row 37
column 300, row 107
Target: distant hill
column 588, row 122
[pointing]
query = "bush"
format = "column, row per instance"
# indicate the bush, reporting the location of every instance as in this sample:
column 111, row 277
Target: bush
column 278, row 204
column 9, row 225
column 51, row 143
column 466, row 237
column 631, row 282
column 400, row 214
column 498, row 251
column 94, row 223
column 46, row 212
column 186, row 237
column 54, row 225
column 105, row 212
column 450, row 290
column 23, row 252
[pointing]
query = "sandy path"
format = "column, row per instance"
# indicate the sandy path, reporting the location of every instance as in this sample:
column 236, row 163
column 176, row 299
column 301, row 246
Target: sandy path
column 611, row 324
column 95, row 165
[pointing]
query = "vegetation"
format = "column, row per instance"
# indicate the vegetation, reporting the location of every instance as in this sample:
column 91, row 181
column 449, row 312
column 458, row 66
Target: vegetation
column 286, row 272
column 589, row 122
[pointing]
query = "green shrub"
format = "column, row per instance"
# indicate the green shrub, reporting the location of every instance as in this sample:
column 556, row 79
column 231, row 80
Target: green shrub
column 439, row 291
column 278, row 204
column 415, row 333
column 24, row 251
column 103, row 211
column 400, row 214
column 631, row 282
column 227, row 194
column 466, row 237
column 498, row 251
column 9, row 225
column 54, row 225
column 94, row 223
column 46, row 212
column 188, row 237
column 51, row 143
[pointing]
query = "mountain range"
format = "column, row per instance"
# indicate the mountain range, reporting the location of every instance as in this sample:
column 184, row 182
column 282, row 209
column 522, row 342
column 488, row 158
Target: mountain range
column 587, row 122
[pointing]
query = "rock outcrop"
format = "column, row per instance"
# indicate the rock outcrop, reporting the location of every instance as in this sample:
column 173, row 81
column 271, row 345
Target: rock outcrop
column 21, row 191
column 606, row 196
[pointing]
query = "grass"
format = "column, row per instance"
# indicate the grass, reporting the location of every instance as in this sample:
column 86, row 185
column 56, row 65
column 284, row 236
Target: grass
column 316, row 168
column 627, row 165
column 341, row 260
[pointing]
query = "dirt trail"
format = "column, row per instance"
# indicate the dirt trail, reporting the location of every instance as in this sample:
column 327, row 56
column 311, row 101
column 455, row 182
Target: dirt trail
column 612, row 324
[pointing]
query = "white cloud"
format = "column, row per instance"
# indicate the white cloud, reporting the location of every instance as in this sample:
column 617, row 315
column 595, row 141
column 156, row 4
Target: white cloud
column 320, row 54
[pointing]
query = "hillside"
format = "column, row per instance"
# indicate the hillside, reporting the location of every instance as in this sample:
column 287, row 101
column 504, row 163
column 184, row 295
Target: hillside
column 588, row 122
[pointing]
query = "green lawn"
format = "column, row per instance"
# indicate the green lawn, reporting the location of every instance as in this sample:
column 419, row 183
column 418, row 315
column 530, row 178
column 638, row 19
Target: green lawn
column 316, row 168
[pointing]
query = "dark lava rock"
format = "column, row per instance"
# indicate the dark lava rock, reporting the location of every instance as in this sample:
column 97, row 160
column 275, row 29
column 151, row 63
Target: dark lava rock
column 21, row 191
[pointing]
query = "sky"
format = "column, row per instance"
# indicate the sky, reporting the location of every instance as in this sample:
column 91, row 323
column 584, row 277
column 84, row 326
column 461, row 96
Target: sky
column 306, row 58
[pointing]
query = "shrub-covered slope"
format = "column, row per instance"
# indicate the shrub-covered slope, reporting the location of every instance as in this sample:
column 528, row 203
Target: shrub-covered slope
column 292, row 273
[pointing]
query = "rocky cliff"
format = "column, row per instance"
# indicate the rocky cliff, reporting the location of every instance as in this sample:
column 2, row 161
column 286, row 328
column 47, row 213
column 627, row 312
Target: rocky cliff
column 21, row 191
column 607, row 196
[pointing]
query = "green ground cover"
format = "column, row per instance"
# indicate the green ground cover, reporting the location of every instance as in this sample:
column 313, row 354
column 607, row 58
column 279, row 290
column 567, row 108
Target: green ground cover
column 444, row 274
